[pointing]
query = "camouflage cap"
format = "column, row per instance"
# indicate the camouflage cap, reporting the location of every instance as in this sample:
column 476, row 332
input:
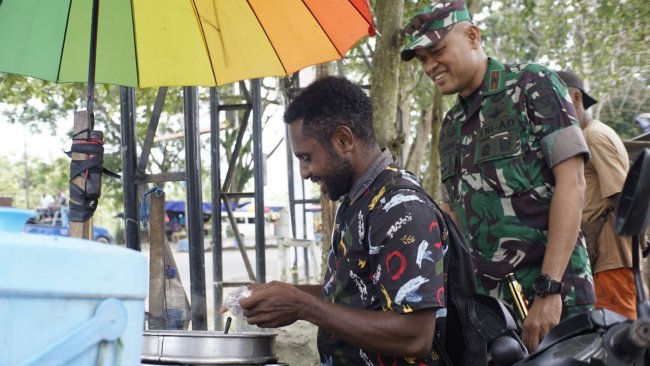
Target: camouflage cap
column 432, row 24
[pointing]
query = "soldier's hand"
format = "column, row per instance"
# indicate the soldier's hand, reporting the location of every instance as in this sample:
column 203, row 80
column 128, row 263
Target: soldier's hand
column 542, row 316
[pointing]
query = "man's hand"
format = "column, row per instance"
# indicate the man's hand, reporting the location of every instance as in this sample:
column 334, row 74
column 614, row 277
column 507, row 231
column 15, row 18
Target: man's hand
column 273, row 305
column 542, row 316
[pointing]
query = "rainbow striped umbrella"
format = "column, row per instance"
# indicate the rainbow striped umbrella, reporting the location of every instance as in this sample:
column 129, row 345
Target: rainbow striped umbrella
column 146, row 43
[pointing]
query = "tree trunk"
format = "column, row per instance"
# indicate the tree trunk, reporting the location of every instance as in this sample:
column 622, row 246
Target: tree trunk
column 384, row 76
column 433, row 182
column 404, row 114
column 419, row 146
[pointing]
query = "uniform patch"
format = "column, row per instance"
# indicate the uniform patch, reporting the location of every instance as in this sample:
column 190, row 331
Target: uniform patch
column 497, row 139
column 495, row 76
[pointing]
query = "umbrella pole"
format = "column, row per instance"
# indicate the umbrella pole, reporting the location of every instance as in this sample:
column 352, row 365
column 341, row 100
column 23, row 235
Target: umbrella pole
column 92, row 59
column 84, row 122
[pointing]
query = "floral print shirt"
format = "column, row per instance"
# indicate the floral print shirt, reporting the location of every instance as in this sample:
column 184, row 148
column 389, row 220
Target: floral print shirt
column 387, row 256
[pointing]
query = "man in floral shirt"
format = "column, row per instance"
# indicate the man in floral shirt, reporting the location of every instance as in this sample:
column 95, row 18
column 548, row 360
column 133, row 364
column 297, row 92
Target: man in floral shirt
column 384, row 287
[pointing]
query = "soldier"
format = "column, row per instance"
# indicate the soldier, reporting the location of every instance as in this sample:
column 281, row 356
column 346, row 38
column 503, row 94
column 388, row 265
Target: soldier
column 512, row 160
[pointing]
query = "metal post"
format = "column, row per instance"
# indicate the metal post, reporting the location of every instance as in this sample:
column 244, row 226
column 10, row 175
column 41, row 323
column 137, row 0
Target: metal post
column 292, row 186
column 217, row 245
column 258, row 177
column 131, row 221
column 151, row 131
column 194, row 219
column 292, row 206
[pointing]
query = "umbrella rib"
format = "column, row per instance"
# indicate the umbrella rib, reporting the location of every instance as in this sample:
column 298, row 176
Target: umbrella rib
column 205, row 43
column 65, row 36
column 135, row 45
column 323, row 29
column 371, row 23
column 267, row 36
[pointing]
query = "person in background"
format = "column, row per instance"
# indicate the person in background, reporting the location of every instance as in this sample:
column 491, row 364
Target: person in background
column 610, row 255
column 61, row 200
column 512, row 159
column 46, row 209
column 384, row 284
column 47, row 201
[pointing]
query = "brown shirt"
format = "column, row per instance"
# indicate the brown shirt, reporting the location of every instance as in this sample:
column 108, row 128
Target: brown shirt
column 605, row 174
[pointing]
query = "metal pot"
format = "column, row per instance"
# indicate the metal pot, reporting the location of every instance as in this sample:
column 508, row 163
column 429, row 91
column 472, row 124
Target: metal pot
column 205, row 347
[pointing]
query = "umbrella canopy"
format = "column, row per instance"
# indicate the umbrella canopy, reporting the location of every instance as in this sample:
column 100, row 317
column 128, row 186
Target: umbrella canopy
column 145, row 43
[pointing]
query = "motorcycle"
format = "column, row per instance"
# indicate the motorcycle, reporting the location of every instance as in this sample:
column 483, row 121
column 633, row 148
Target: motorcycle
column 598, row 337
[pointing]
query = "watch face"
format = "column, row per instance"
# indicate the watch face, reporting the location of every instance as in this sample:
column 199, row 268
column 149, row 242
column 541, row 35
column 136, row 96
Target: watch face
column 544, row 285
column 541, row 285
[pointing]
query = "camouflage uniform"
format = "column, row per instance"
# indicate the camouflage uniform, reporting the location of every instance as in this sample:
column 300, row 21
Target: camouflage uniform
column 388, row 256
column 497, row 149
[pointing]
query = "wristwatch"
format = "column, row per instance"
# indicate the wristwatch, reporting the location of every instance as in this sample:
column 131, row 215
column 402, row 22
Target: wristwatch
column 544, row 285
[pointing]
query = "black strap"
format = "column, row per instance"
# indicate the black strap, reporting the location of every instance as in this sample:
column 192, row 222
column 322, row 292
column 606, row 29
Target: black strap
column 81, row 208
column 83, row 200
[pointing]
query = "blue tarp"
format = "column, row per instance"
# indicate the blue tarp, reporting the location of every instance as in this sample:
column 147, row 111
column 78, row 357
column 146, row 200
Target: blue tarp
column 179, row 207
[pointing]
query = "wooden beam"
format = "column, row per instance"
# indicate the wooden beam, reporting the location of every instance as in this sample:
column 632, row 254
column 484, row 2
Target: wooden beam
column 83, row 122
column 157, row 318
column 160, row 178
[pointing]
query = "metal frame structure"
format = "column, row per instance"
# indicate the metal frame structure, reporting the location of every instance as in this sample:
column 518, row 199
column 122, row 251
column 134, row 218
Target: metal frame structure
column 134, row 175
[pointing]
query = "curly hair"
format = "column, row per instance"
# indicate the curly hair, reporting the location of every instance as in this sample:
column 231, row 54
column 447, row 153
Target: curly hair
column 330, row 102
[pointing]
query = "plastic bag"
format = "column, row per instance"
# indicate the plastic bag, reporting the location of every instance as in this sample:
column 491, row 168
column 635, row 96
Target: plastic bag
column 232, row 300
column 239, row 323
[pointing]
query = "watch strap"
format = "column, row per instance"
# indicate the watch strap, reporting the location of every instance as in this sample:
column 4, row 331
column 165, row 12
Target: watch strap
column 554, row 287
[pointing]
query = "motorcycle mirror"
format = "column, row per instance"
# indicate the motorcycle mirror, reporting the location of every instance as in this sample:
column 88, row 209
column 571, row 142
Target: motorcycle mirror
column 489, row 317
column 633, row 208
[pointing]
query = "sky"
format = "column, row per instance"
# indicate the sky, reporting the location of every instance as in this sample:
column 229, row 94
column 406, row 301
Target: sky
column 14, row 139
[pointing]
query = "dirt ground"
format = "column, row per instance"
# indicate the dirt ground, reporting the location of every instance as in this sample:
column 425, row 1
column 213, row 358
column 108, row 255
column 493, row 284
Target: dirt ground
column 296, row 344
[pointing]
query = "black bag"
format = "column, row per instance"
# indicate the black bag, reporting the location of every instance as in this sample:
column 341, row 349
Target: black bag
column 462, row 344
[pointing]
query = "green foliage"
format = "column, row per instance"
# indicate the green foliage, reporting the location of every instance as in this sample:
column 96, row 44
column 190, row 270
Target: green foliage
column 606, row 42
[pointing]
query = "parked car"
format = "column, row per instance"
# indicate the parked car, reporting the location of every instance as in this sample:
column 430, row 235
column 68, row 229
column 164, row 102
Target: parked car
column 53, row 223
column 13, row 220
